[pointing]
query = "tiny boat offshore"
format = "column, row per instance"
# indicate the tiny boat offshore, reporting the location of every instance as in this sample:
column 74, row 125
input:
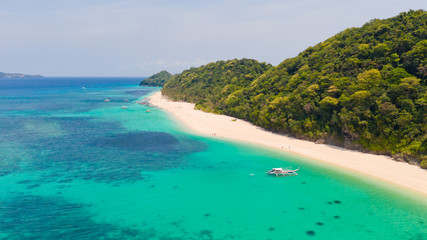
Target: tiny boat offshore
column 283, row 172
column 143, row 102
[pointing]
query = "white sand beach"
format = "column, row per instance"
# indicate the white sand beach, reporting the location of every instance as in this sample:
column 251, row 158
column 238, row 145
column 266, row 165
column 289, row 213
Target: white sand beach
column 220, row 126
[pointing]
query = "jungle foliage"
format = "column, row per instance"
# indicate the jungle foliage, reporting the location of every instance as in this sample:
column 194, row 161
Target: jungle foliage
column 157, row 80
column 209, row 86
column 364, row 88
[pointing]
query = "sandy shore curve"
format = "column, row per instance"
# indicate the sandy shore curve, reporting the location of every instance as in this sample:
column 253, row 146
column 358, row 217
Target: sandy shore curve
column 221, row 126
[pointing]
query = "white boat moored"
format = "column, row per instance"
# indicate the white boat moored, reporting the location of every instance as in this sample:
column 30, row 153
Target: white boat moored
column 283, row 172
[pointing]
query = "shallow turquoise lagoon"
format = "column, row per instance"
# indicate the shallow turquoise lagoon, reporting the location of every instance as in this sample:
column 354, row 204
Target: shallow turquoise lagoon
column 73, row 166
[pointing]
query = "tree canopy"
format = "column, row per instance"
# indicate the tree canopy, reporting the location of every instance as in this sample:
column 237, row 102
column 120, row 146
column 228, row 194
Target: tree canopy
column 209, row 86
column 364, row 88
column 157, row 80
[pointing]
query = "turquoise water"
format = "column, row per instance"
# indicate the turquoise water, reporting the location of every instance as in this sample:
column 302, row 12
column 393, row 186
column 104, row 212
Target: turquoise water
column 75, row 167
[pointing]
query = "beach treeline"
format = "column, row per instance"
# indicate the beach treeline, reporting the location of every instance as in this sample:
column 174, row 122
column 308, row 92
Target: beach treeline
column 364, row 88
column 157, row 80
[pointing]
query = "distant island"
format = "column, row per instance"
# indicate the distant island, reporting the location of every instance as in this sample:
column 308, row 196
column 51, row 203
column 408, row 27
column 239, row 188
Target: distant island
column 157, row 80
column 364, row 88
column 18, row 75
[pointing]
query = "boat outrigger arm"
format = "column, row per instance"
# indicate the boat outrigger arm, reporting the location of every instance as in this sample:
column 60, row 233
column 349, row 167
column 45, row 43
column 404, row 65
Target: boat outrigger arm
column 283, row 172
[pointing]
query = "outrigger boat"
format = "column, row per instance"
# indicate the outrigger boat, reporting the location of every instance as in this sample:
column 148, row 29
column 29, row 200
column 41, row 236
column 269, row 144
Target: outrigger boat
column 143, row 102
column 283, row 172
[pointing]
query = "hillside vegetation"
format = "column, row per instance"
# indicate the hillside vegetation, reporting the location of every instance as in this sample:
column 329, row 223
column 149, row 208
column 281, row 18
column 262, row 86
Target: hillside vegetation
column 364, row 88
column 157, row 80
column 210, row 85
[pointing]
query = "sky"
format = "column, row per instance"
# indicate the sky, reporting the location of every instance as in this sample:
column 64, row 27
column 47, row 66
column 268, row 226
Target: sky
column 141, row 37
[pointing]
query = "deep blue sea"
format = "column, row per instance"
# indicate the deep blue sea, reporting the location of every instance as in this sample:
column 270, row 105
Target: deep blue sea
column 74, row 166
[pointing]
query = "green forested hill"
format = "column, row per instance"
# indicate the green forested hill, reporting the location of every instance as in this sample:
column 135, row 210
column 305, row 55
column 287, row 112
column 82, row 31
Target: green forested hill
column 157, row 80
column 210, row 85
column 364, row 88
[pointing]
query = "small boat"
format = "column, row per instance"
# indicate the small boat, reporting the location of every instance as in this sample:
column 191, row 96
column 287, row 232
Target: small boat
column 283, row 172
column 106, row 100
column 124, row 107
column 143, row 102
column 83, row 88
column 148, row 111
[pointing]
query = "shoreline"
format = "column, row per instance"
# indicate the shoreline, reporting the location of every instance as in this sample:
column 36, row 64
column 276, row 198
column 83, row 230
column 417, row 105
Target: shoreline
column 221, row 126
